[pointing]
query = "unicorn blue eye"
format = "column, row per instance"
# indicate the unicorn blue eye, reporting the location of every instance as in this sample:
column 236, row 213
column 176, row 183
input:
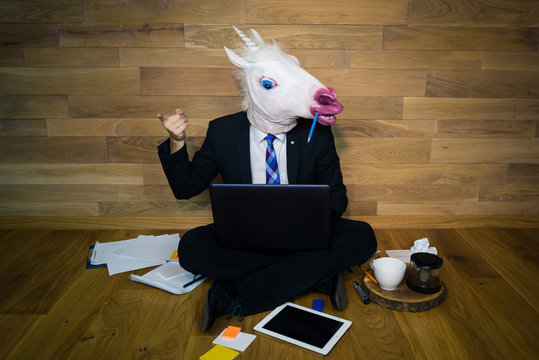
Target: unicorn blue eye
column 267, row 83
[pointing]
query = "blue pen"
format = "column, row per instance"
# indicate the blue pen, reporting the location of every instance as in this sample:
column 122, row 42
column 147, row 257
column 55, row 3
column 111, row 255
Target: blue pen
column 312, row 127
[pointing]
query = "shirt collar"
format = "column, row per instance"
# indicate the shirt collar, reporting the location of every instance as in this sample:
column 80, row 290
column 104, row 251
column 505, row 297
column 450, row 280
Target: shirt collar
column 260, row 136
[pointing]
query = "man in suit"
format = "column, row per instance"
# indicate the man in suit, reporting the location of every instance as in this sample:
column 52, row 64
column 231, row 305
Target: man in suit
column 249, row 282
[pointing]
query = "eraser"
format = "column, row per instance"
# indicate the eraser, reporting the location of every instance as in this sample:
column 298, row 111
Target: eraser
column 318, row 305
column 231, row 332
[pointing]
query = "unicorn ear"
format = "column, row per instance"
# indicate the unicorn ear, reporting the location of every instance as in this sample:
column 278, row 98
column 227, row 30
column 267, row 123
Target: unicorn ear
column 236, row 59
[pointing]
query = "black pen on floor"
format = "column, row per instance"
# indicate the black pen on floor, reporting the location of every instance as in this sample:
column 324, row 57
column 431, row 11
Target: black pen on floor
column 361, row 293
column 194, row 281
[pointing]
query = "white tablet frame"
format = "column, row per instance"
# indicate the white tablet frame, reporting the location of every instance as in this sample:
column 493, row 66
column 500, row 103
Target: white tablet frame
column 329, row 345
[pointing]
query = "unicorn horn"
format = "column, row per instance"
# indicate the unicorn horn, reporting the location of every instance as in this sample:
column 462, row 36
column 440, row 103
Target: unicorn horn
column 250, row 43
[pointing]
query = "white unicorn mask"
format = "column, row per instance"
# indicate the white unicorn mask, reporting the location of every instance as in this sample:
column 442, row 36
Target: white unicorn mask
column 277, row 90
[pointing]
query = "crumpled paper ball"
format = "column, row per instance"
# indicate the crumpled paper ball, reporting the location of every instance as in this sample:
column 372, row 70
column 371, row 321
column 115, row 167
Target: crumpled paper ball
column 422, row 245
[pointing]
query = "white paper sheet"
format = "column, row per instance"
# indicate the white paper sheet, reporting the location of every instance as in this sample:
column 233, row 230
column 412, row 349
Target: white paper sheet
column 240, row 343
column 403, row 255
column 150, row 247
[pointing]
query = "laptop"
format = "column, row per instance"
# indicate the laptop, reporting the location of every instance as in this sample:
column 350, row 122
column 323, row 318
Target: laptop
column 243, row 214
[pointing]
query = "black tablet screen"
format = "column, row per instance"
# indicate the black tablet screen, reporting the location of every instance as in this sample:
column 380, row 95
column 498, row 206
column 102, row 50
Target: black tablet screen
column 304, row 326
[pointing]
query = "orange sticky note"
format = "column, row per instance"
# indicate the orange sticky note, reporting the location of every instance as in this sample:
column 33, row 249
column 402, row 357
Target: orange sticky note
column 231, row 332
column 174, row 255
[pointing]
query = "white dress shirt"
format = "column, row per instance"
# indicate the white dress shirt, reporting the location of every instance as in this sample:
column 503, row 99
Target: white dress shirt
column 258, row 145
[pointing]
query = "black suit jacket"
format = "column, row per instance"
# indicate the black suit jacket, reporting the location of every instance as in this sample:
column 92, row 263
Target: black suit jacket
column 226, row 151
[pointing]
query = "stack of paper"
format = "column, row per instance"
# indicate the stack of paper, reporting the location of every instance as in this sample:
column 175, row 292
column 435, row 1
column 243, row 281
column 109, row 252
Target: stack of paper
column 145, row 251
column 141, row 252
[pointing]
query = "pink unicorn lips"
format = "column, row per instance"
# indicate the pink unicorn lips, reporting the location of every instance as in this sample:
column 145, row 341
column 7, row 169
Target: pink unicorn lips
column 327, row 106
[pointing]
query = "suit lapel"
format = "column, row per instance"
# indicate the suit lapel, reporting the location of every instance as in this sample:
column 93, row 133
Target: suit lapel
column 244, row 152
column 292, row 155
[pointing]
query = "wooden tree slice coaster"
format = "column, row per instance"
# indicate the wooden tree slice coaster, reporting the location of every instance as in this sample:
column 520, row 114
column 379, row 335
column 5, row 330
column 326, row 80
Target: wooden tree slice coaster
column 402, row 298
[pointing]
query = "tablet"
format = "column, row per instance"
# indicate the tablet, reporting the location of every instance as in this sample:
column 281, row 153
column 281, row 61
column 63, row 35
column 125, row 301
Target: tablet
column 301, row 326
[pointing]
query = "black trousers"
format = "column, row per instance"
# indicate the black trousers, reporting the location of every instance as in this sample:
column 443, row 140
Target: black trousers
column 266, row 279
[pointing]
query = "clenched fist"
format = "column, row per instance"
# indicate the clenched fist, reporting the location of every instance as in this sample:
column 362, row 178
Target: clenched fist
column 175, row 125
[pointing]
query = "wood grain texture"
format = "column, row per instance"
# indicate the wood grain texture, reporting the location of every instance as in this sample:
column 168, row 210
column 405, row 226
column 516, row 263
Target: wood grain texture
column 458, row 38
column 66, row 192
column 469, row 83
column 518, row 13
column 201, row 107
column 112, row 127
column 41, row 11
column 53, row 150
column 470, row 109
column 522, row 173
column 90, row 314
column 319, row 37
column 149, row 192
column 69, row 80
column 152, row 174
column 379, row 150
column 508, row 192
column 133, row 149
column 49, row 208
column 71, row 174
column 71, row 57
column 187, row 81
column 441, row 103
column 114, row 35
column 23, row 127
column 371, row 107
column 359, row 12
column 401, row 174
column 435, row 192
column 13, row 328
column 485, row 151
column 11, row 57
column 385, row 128
column 510, row 60
column 357, row 82
column 442, row 208
column 508, row 260
column 410, row 59
column 182, row 223
column 29, row 35
column 486, row 128
column 155, row 208
column 189, row 11
column 33, row 106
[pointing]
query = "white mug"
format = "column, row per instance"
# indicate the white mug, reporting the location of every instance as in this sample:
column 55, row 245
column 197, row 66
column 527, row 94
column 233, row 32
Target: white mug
column 388, row 271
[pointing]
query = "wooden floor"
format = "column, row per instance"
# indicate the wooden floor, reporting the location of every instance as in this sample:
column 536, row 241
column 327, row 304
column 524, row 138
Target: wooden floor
column 51, row 307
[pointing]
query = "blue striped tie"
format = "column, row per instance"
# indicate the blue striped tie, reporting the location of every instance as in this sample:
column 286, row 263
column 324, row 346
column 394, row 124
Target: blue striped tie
column 272, row 169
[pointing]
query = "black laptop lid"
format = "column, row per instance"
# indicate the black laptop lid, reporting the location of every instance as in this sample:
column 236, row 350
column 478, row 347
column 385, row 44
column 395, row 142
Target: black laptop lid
column 251, row 216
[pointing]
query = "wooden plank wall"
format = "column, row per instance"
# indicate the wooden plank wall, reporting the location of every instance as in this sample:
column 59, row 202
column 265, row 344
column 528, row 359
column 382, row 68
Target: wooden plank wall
column 441, row 99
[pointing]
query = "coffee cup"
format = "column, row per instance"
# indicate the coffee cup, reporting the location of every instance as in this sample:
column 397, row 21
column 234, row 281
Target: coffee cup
column 388, row 271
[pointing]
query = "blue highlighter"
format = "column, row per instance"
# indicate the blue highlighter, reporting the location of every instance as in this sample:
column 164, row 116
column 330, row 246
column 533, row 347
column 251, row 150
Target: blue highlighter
column 312, row 127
